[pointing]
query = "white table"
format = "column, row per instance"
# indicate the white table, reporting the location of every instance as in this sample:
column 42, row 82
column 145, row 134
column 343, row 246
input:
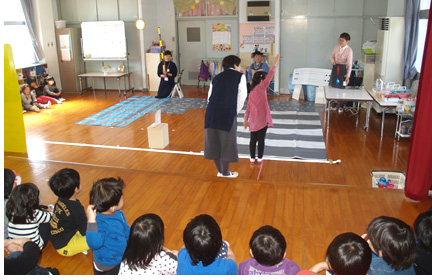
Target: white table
column 356, row 95
column 377, row 97
column 103, row 75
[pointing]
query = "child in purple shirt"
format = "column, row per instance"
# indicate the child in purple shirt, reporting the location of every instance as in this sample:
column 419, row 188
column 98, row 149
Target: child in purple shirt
column 267, row 248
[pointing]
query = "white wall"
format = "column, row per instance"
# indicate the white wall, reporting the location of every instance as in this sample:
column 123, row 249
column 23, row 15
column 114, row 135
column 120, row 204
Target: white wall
column 45, row 15
column 310, row 29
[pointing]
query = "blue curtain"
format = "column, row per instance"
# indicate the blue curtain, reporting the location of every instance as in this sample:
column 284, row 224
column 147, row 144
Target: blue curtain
column 412, row 10
column 27, row 6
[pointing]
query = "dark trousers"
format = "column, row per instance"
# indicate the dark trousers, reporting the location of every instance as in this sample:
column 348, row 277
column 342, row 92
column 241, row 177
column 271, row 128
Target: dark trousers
column 44, row 232
column 257, row 136
column 113, row 271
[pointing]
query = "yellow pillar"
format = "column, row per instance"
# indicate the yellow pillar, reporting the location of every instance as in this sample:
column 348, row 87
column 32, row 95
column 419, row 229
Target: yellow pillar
column 14, row 132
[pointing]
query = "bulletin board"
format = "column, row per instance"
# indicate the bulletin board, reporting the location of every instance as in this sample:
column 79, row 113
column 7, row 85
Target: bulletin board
column 103, row 40
column 252, row 35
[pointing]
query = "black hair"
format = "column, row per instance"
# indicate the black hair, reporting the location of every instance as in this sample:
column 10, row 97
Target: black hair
column 48, row 78
column 423, row 229
column 9, row 181
column 268, row 246
column 22, row 202
column 64, row 182
column 349, row 254
column 257, row 52
column 106, row 193
column 395, row 239
column 146, row 240
column 167, row 52
column 257, row 78
column 231, row 60
column 203, row 239
column 31, row 80
column 345, row 36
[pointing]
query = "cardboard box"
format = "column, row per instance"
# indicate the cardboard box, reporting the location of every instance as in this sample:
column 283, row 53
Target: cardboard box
column 158, row 137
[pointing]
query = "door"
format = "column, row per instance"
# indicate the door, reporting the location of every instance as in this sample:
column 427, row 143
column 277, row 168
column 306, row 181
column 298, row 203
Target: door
column 192, row 48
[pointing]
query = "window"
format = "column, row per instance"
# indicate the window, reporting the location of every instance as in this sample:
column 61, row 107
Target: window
column 16, row 34
column 423, row 23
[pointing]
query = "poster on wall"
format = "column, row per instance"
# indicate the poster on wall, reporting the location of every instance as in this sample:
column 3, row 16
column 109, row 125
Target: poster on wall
column 221, row 37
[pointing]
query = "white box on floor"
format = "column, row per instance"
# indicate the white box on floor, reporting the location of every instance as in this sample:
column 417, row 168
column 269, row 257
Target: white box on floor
column 158, row 137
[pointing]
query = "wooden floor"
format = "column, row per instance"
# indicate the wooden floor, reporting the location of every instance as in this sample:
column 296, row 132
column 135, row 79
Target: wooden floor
column 309, row 202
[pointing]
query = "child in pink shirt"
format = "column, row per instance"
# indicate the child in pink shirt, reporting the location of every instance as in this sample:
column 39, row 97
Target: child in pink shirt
column 257, row 115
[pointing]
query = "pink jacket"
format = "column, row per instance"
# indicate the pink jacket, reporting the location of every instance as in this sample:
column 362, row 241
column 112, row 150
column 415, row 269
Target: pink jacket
column 346, row 57
column 258, row 110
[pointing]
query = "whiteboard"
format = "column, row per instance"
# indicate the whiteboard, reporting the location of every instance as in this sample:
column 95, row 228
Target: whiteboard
column 103, row 40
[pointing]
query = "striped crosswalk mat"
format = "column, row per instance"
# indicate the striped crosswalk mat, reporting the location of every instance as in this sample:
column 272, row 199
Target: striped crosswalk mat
column 294, row 135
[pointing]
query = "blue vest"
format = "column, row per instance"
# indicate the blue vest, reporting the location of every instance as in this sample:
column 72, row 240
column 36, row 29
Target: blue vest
column 222, row 106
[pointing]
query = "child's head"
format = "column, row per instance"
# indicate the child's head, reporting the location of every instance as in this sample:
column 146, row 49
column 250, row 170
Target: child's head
column 49, row 80
column 268, row 246
column 146, row 240
column 25, row 89
column 64, row 183
column 203, row 239
column 167, row 55
column 231, row 61
column 9, row 180
column 107, row 194
column 349, row 254
column 257, row 56
column 423, row 229
column 22, row 202
column 393, row 240
column 32, row 81
column 257, row 78
column 344, row 39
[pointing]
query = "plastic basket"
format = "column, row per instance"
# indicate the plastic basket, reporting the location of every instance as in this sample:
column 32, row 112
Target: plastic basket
column 397, row 178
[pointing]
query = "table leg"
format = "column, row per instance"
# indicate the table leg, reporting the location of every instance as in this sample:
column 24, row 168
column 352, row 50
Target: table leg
column 382, row 121
column 94, row 93
column 328, row 113
column 125, row 89
column 369, row 103
column 118, row 83
column 81, row 92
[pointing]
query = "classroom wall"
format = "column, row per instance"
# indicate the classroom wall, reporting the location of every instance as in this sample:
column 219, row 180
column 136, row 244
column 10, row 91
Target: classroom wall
column 310, row 29
column 323, row 21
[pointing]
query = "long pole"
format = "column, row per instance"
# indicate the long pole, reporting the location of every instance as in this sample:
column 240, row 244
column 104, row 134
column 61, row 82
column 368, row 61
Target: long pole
column 161, row 49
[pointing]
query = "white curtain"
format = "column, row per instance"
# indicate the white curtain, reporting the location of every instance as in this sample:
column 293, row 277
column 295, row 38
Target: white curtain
column 27, row 6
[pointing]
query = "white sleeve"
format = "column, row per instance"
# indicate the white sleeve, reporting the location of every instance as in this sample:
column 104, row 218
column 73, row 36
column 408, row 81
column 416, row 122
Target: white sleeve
column 209, row 92
column 242, row 93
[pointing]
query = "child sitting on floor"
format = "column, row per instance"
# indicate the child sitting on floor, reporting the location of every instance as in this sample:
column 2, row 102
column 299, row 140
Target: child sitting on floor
column 347, row 254
column 50, row 89
column 69, row 222
column 393, row 245
column 145, row 253
column 107, row 229
column 423, row 230
column 26, row 218
column 203, row 242
column 29, row 101
column 267, row 248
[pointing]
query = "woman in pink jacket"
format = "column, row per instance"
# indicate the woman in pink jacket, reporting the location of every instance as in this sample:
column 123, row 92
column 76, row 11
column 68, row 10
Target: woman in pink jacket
column 257, row 115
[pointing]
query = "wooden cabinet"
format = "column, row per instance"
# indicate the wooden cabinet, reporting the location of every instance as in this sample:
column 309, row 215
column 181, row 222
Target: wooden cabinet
column 152, row 63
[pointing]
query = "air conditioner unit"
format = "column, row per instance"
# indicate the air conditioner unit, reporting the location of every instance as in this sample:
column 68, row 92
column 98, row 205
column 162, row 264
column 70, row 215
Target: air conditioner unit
column 258, row 10
column 389, row 51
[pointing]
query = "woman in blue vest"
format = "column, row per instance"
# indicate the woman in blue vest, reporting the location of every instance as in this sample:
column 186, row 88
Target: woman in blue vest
column 226, row 98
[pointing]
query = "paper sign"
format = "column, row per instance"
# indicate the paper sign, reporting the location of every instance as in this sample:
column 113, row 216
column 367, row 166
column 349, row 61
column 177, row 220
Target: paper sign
column 158, row 117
